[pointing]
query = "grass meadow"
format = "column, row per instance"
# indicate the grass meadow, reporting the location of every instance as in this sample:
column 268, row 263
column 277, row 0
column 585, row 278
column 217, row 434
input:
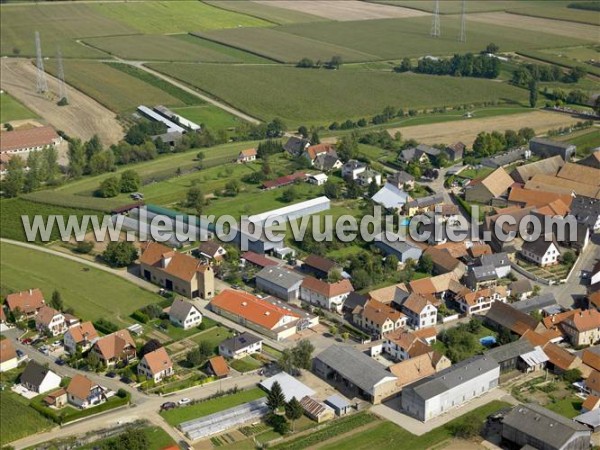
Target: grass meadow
column 116, row 90
column 12, row 109
column 158, row 439
column 166, row 17
column 213, row 117
column 305, row 96
column 556, row 11
column 58, row 24
column 76, row 282
column 17, row 419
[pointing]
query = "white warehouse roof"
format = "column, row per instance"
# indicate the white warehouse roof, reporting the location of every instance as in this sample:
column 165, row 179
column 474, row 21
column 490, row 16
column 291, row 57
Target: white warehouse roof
column 292, row 211
column 289, row 385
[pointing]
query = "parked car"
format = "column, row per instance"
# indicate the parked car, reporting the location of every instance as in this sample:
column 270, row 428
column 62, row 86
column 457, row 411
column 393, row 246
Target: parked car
column 167, row 406
column 184, row 401
column 111, row 374
column 43, row 349
column 20, row 353
column 59, row 361
column 126, row 380
column 27, row 341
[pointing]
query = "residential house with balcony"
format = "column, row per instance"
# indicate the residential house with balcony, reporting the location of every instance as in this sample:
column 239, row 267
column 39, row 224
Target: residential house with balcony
column 50, row 321
column 156, row 365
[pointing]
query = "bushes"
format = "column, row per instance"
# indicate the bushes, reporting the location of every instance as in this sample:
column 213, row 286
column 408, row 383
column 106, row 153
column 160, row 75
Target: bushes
column 140, row 316
column 105, row 326
column 69, row 414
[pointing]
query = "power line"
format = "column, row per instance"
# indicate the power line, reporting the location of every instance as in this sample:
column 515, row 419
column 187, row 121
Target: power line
column 62, row 91
column 435, row 24
column 42, row 83
column 463, row 22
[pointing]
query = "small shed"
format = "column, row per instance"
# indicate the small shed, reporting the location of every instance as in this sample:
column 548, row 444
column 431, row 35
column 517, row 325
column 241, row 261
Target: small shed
column 316, row 410
column 340, row 405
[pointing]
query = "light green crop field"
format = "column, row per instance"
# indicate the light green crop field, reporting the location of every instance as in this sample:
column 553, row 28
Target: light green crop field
column 322, row 96
column 17, row 419
column 273, row 14
column 397, row 38
column 275, row 44
column 159, row 48
column 558, row 11
column 11, row 109
column 163, row 17
column 214, row 118
column 59, row 24
column 113, row 88
column 78, row 283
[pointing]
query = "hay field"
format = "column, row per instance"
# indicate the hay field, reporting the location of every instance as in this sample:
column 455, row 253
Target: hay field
column 58, row 24
column 164, row 17
column 279, row 46
column 344, row 10
column 265, row 11
column 159, row 48
column 323, row 96
column 536, row 24
column 113, row 88
column 467, row 130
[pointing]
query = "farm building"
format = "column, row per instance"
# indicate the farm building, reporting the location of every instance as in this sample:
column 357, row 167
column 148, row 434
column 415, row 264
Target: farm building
column 285, row 180
column 484, row 190
column 267, row 318
column 319, row 267
column 28, row 140
column 167, row 113
column 391, row 197
column 172, row 127
column 391, row 244
column 243, row 344
column 291, row 212
column 451, row 387
column 547, row 148
column 316, row 410
column 289, row 386
column 280, row 282
column 548, row 166
column 257, row 260
column 535, row 426
column 504, row 159
column 356, row 373
column 340, row 405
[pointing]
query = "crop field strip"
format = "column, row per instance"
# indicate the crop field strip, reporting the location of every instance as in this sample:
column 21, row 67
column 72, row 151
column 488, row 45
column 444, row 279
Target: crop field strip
column 558, row 13
column 12, row 109
column 278, row 16
column 473, row 6
column 321, row 96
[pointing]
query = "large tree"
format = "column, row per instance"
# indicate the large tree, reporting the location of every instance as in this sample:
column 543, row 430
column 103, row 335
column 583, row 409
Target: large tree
column 15, row 178
column 77, row 158
column 130, row 181
column 120, row 254
column 275, row 398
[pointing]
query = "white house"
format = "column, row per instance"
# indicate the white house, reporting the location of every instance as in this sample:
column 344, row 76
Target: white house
column 542, row 252
column 50, row 321
column 353, row 168
column 243, row 344
column 420, row 311
column 378, row 318
column 480, row 301
column 8, row 356
column 83, row 392
column 326, row 295
column 38, row 378
column 366, row 177
column 247, row 155
column 184, row 314
column 83, row 335
column 156, row 365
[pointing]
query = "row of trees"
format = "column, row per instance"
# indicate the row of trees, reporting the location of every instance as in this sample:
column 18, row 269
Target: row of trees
column 129, row 181
column 488, row 144
column 334, row 63
column 43, row 169
column 467, row 65
column 526, row 73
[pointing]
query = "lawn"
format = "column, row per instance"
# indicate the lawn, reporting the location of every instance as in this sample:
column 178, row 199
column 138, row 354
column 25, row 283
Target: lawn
column 390, row 435
column 113, row 88
column 17, row 419
column 214, row 336
column 58, row 25
column 212, row 117
column 473, row 174
column 568, row 407
column 301, row 96
column 176, row 416
column 558, row 59
column 11, row 109
column 76, row 282
column 384, row 39
column 585, row 140
column 11, row 223
column 245, row 364
column 168, row 17
column 157, row 438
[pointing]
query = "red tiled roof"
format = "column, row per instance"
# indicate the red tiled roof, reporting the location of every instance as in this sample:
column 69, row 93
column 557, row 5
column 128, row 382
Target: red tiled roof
column 591, row 359
column 326, row 289
column 26, row 301
column 31, row 137
column 181, row 265
column 113, row 345
column 315, row 150
column 252, row 308
column 283, row 181
column 378, row 312
column 158, row 360
column 584, row 320
column 83, row 331
column 80, row 386
column 219, row 366
column 258, row 260
column 551, row 321
column 248, row 152
column 7, row 350
column 593, row 381
column 45, row 315
column 320, row 263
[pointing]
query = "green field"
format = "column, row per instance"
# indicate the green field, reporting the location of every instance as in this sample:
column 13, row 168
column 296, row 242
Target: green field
column 568, row 407
column 23, row 269
column 58, row 24
column 390, row 435
column 161, row 48
column 585, row 140
column 272, row 14
column 303, row 96
column 557, row 11
column 164, row 17
column 556, row 57
column 17, row 419
column 473, row 6
column 245, row 364
column 175, row 416
column 12, row 109
column 213, row 117
column 214, row 336
column 158, row 439
column 113, row 88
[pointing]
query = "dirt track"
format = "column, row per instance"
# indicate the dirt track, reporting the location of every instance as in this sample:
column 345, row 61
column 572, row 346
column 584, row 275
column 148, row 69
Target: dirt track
column 82, row 117
column 467, row 130
column 344, row 10
column 561, row 28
